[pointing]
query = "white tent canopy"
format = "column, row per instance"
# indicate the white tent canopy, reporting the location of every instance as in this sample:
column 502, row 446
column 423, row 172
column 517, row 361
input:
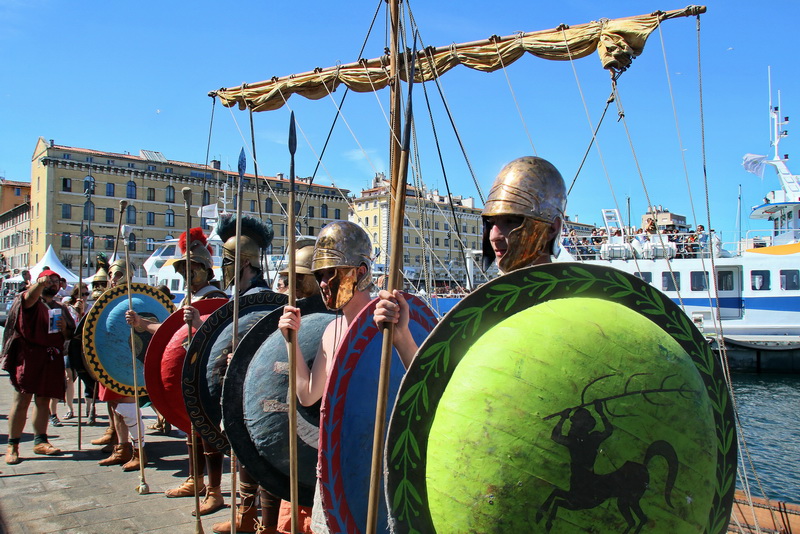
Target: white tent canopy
column 51, row 260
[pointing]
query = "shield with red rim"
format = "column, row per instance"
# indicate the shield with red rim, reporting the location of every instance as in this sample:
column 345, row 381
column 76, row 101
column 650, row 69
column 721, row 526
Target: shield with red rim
column 163, row 364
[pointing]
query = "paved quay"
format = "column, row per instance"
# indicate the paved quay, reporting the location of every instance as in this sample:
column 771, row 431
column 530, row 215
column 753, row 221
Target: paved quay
column 72, row 494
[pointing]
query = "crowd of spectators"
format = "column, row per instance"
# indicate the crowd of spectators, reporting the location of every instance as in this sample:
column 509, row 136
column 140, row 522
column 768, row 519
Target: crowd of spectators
column 687, row 244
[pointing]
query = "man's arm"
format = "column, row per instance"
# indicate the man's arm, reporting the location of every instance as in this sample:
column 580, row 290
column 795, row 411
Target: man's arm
column 34, row 292
column 393, row 308
column 140, row 323
column 310, row 382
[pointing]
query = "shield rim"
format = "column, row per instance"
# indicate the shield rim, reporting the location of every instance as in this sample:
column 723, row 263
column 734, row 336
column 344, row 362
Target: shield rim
column 94, row 365
column 198, row 353
column 268, row 476
column 541, row 284
column 173, row 412
column 359, row 334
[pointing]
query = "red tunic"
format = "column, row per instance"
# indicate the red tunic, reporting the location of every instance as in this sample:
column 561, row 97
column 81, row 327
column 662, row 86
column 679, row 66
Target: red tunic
column 34, row 357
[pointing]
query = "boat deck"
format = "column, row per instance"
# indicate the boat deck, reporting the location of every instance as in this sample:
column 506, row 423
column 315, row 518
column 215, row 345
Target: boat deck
column 764, row 516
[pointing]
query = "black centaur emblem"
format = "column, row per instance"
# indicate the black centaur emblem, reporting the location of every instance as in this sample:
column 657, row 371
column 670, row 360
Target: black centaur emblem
column 627, row 484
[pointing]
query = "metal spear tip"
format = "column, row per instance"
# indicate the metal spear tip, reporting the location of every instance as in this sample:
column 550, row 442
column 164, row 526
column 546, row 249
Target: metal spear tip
column 242, row 162
column 292, row 135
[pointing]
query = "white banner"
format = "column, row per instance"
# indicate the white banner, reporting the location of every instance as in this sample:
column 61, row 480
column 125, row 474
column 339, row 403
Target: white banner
column 208, row 212
column 753, row 163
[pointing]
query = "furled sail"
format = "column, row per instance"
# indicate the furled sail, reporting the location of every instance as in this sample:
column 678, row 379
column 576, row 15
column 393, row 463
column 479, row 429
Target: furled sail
column 617, row 42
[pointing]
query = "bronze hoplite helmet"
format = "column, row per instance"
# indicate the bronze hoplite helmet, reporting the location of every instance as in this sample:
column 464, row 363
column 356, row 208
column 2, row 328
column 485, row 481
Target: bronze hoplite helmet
column 306, row 283
column 344, row 246
column 197, row 244
column 256, row 237
column 100, row 278
column 531, row 188
column 118, row 266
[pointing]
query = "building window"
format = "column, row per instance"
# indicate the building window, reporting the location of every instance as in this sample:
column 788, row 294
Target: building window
column 268, row 205
column 109, row 189
column 311, row 211
column 310, row 230
column 131, row 215
column 151, row 167
column 66, row 185
column 66, row 240
column 169, row 194
column 206, row 197
column 151, row 244
column 436, row 242
column 110, row 215
column 447, row 226
column 89, row 159
column 169, row 218
column 374, row 220
column 790, row 279
column 698, row 280
column 109, row 242
column 66, row 211
column 405, row 238
column 151, row 194
column 168, row 170
column 297, row 206
column 132, row 242
column 151, row 218
column 447, row 241
column 436, row 225
column 88, row 185
column 235, row 200
column 131, row 189
column 17, row 192
column 416, row 240
column 337, row 213
column 366, row 220
column 670, row 284
column 323, row 211
column 67, row 156
column 646, row 276
column 131, row 165
column 88, row 210
column 405, row 222
column 759, row 280
column 253, row 205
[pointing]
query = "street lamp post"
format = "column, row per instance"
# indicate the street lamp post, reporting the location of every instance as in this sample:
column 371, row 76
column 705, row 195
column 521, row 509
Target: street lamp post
column 88, row 190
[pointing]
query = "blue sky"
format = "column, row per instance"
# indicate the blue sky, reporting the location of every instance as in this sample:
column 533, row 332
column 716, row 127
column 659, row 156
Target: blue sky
column 123, row 77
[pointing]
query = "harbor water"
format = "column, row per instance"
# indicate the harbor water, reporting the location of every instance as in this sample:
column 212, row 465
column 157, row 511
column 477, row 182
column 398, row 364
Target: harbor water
column 769, row 413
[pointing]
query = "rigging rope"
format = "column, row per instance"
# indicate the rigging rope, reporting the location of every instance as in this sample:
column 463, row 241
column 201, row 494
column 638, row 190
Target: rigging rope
column 494, row 38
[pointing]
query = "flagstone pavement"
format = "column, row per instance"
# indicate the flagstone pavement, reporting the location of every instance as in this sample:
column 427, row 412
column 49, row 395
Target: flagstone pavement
column 72, row 494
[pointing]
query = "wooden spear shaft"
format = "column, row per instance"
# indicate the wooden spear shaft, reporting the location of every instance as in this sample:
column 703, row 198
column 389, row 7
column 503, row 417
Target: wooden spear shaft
column 187, row 204
column 143, row 488
column 395, row 282
column 292, row 341
column 80, row 281
column 237, row 284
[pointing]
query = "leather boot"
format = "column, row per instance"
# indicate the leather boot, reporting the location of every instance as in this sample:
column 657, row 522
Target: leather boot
column 212, row 502
column 246, row 516
column 122, row 454
column 109, row 438
column 185, row 490
column 136, row 462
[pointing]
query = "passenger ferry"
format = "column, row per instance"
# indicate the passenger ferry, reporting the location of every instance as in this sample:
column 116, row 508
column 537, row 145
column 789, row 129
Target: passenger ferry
column 753, row 296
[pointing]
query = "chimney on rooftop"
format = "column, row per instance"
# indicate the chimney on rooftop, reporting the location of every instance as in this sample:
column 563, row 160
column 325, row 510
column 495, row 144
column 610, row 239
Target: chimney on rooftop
column 216, row 164
column 52, row 143
column 279, row 175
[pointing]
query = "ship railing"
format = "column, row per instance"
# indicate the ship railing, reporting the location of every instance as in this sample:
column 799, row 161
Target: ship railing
column 673, row 245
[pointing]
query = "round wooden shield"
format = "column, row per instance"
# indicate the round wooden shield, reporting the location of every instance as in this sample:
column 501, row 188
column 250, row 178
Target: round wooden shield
column 207, row 359
column 348, row 417
column 563, row 398
column 163, row 364
column 107, row 337
column 255, row 405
